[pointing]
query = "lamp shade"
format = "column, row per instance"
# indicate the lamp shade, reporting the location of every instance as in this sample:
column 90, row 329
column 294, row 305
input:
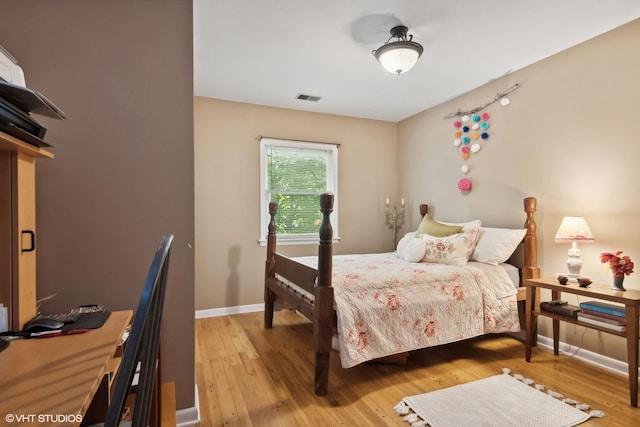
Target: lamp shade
column 574, row 229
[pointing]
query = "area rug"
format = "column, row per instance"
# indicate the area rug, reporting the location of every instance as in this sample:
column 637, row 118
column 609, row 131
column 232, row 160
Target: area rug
column 501, row 400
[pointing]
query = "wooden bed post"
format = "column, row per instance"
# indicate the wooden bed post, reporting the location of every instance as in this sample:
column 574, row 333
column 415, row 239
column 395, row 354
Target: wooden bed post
column 269, row 268
column 323, row 305
column 530, row 269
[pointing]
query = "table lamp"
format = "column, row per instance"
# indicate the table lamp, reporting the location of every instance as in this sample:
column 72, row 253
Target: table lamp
column 574, row 229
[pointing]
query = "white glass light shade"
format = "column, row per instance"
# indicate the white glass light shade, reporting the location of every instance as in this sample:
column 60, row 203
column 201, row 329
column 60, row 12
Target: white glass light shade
column 398, row 57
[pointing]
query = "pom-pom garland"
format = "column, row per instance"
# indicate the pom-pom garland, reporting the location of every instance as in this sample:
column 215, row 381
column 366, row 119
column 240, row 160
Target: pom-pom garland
column 478, row 123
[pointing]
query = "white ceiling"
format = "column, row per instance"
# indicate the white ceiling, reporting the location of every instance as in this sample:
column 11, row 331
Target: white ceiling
column 267, row 52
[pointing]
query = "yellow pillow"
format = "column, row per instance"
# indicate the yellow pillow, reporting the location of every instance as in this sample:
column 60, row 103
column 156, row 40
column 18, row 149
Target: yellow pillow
column 436, row 229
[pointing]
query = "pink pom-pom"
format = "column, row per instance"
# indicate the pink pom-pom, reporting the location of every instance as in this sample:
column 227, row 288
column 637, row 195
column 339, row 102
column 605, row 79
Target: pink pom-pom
column 485, row 116
column 464, row 184
column 457, row 124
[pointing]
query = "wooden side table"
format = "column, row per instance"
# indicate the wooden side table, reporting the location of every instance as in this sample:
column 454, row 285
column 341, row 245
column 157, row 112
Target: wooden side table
column 630, row 299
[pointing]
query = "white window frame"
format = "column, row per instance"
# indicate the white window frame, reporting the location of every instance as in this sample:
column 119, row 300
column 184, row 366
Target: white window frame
column 332, row 187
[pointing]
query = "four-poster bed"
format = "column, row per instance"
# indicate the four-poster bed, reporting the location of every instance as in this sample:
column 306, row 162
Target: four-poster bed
column 335, row 293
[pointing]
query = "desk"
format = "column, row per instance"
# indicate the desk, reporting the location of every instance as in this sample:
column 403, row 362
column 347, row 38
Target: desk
column 41, row 379
column 630, row 299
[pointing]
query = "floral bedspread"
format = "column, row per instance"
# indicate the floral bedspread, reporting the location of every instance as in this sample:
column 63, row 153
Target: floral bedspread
column 386, row 305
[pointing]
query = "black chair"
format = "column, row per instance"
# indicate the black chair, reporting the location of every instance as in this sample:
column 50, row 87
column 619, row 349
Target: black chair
column 143, row 345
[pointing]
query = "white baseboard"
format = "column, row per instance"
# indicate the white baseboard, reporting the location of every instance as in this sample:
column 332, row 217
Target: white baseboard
column 224, row 311
column 189, row 416
column 587, row 356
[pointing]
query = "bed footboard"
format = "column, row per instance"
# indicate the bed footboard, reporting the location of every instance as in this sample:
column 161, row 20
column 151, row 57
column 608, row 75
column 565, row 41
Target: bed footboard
column 323, row 306
column 318, row 309
column 269, row 268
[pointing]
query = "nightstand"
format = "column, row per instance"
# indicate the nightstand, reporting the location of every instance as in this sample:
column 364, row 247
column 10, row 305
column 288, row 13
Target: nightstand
column 630, row 299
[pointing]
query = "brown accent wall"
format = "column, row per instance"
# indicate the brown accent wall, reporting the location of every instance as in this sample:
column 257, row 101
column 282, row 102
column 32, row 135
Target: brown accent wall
column 123, row 169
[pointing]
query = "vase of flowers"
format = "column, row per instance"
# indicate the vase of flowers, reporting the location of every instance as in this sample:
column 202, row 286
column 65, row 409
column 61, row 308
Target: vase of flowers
column 619, row 265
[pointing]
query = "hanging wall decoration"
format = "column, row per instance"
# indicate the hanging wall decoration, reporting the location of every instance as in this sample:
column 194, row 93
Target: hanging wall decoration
column 471, row 131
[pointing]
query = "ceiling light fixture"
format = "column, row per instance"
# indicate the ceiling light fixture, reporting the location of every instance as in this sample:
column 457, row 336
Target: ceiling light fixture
column 401, row 55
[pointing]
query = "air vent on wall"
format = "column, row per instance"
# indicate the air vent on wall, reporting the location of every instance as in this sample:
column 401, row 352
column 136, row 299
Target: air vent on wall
column 311, row 98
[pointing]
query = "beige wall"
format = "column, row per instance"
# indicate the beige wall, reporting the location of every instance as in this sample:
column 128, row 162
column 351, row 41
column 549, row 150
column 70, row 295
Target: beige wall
column 123, row 169
column 229, row 260
column 568, row 138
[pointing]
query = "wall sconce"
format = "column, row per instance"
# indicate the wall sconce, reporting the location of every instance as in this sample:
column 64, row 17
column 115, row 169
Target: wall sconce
column 394, row 217
column 574, row 229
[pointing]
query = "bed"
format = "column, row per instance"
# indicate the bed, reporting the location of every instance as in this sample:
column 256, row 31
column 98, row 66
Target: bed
column 376, row 305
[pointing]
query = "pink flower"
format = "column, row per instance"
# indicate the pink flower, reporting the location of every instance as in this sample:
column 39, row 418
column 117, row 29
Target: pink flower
column 393, row 302
column 362, row 340
column 458, row 293
column 430, row 329
column 619, row 265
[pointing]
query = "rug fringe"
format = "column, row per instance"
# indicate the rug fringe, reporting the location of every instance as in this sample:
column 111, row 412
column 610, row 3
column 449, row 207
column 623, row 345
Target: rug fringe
column 596, row 414
column 412, row 418
column 401, row 408
column 555, row 394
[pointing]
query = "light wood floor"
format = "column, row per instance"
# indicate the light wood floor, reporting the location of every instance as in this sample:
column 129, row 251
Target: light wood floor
column 249, row 376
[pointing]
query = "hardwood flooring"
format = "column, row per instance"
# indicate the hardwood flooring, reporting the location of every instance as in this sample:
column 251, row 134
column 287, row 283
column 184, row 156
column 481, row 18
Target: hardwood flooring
column 250, row 376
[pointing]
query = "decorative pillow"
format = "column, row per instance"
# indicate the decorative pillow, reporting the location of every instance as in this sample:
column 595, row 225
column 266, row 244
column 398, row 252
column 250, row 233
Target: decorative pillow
column 496, row 245
column 470, row 229
column 435, row 228
column 414, row 250
column 446, row 250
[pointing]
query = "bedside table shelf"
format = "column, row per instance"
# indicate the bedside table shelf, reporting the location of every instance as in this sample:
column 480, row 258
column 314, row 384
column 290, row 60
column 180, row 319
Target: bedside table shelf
column 630, row 299
column 568, row 319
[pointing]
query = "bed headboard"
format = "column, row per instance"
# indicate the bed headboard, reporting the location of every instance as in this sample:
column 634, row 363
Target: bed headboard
column 530, row 269
column 525, row 256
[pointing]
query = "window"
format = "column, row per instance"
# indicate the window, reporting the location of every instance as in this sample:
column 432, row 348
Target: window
column 293, row 174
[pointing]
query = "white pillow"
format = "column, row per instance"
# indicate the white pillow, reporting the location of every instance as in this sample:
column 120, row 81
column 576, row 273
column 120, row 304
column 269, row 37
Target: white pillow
column 403, row 242
column 414, row 250
column 496, row 245
column 450, row 250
